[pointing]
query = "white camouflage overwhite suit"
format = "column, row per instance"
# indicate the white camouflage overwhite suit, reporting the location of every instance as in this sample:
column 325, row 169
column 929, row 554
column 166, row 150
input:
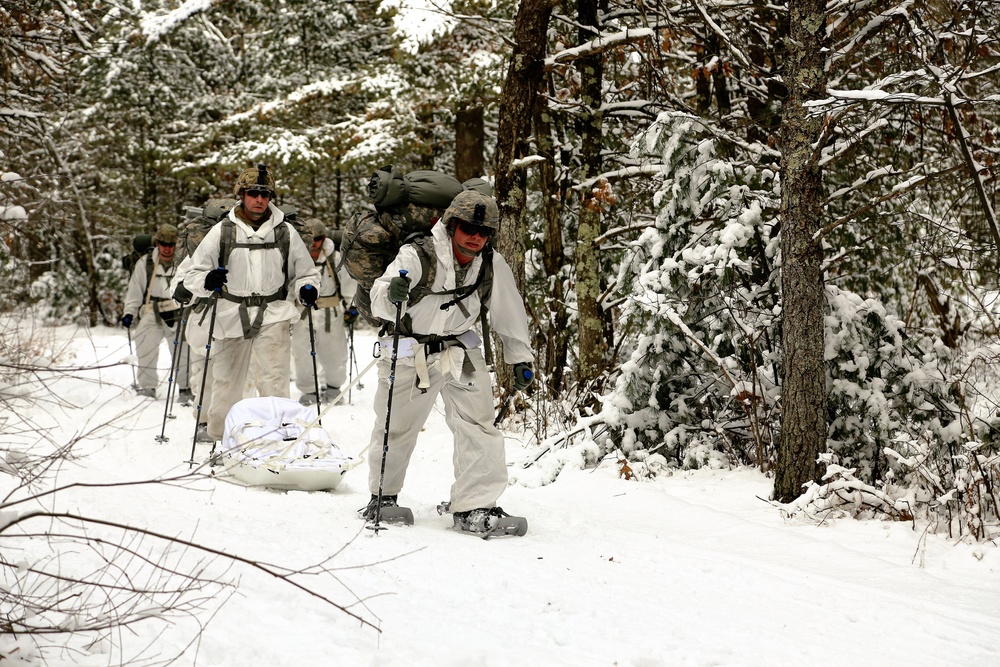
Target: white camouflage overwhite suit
column 251, row 272
column 150, row 331
column 329, row 330
column 479, row 458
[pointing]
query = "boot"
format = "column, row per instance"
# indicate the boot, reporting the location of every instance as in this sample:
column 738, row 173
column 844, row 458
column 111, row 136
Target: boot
column 368, row 512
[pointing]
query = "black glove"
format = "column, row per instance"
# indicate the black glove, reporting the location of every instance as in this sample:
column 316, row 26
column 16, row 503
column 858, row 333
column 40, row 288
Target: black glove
column 308, row 295
column 523, row 375
column 182, row 295
column 399, row 289
column 127, row 321
column 215, row 279
column 350, row 315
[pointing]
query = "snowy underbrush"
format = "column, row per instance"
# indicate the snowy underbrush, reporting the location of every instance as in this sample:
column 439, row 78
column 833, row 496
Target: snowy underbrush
column 912, row 424
column 960, row 501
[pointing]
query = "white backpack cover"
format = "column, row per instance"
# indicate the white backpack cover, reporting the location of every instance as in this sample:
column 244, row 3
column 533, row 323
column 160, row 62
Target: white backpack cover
column 273, row 442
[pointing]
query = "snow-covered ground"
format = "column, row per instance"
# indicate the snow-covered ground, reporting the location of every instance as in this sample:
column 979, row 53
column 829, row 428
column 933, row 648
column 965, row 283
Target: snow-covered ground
column 696, row 568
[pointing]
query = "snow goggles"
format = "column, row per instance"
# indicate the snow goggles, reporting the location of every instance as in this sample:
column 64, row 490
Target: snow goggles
column 258, row 192
column 473, row 229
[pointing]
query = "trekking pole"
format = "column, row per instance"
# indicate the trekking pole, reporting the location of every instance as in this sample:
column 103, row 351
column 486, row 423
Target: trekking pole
column 352, row 362
column 388, row 411
column 175, row 362
column 312, row 351
column 204, row 375
column 174, row 359
column 135, row 383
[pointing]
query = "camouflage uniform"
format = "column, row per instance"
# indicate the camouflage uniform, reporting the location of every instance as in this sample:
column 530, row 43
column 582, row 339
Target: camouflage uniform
column 336, row 290
column 443, row 357
column 149, row 301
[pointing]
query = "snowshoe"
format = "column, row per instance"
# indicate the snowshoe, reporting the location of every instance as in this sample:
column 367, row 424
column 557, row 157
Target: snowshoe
column 330, row 393
column 308, row 399
column 486, row 522
column 390, row 511
column 145, row 393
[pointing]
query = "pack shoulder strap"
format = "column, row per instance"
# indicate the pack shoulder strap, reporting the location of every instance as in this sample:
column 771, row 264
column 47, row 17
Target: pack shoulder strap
column 150, row 277
column 424, row 245
column 333, row 272
column 282, row 241
column 227, row 244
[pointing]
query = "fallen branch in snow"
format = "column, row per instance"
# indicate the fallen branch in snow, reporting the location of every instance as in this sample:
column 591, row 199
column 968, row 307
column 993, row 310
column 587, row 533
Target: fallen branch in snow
column 846, row 495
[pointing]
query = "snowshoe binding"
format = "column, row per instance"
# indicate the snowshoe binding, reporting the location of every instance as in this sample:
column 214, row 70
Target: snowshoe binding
column 486, row 522
column 389, row 511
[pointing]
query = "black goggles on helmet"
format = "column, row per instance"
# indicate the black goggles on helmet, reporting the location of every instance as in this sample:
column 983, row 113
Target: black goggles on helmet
column 473, row 229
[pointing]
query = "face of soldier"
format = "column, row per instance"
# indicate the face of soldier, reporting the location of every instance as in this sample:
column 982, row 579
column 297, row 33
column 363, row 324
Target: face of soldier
column 468, row 240
column 166, row 251
column 316, row 246
column 255, row 202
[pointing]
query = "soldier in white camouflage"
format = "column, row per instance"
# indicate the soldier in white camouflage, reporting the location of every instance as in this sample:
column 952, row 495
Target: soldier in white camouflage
column 439, row 353
column 331, row 319
column 255, row 265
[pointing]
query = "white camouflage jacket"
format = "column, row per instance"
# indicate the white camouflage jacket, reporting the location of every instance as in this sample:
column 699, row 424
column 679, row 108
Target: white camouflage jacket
column 253, row 272
column 506, row 307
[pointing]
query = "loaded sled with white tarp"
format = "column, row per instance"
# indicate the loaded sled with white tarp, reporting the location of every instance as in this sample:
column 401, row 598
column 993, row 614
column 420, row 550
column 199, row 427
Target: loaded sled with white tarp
column 277, row 443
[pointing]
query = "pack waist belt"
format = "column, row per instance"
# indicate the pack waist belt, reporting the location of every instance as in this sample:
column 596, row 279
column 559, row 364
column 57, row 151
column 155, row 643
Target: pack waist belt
column 258, row 301
column 436, row 344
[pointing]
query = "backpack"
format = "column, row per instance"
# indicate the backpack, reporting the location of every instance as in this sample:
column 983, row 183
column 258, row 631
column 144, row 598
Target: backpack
column 141, row 244
column 406, row 207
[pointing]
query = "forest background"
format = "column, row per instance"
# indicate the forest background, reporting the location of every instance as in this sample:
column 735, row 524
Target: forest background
column 751, row 233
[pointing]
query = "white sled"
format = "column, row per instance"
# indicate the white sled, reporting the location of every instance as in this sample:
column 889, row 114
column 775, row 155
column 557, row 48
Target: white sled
column 270, row 442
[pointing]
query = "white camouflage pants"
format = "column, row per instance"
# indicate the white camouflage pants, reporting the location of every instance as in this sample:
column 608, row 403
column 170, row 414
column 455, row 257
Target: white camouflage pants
column 197, row 339
column 479, row 459
column 230, row 365
column 331, row 351
column 147, row 337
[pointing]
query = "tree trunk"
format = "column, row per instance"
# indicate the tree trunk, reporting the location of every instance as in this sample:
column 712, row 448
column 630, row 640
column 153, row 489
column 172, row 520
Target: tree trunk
column 803, row 401
column 521, row 85
column 588, row 265
column 469, row 143
column 552, row 335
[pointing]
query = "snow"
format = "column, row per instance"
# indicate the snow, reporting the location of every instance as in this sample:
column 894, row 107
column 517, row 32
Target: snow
column 155, row 26
column 694, row 568
column 420, row 22
column 13, row 213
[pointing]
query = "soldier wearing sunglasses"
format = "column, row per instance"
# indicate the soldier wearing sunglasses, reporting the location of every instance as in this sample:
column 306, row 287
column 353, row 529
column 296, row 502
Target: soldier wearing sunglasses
column 439, row 353
column 149, row 304
column 256, row 265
